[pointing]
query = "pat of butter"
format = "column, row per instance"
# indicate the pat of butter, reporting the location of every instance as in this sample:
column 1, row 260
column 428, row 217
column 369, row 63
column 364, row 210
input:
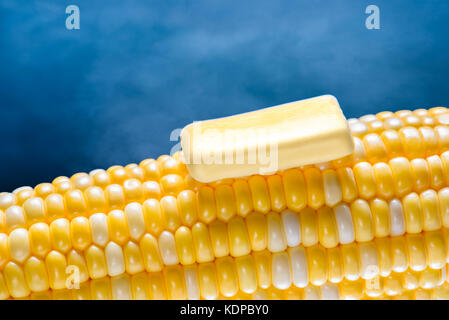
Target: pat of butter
column 268, row 140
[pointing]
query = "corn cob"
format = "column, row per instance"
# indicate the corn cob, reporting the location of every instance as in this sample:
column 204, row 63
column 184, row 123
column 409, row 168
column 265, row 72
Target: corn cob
column 330, row 230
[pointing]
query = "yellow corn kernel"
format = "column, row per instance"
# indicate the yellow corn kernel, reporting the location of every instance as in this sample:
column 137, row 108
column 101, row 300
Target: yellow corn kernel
column 348, row 184
column 412, row 142
column 120, row 287
column 384, row 180
column 262, row 262
column 443, row 204
column 259, row 192
column 385, row 256
column 257, row 231
column 226, row 207
column 80, row 233
column 36, row 275
column 55, row 206
column 227, row 276
column 242, row 197
column 393, row 143
column 117, row 174
column 15, row 280
column 412, row 213
column 133, row 258
column 327, row 229
column 60, row 235
column 335, row 265
column 381, row 217
column 150, row 253
column 238, row 237
column 363, row 222
column 115, row 196
column 219, row 238
column 14, row 218
column 75, row 203
column 4, row 252
column 309, row 227
column 276, row 191
column 56, row 268
column 430, row 278
column 315, row 192
column 170, row 213
column 399, row 254
column 175, row 283
column 441, row 292
column 375, row 148
column 62, row 185
column 437, row 179
column 351, row 290
column 151, row 190
column 416, row 252
column 402, row 175
column 436, row 249
column 22, row 194
column 184, row 245
column 39, row 234
column 350, row 258
column 81, row 181
column 153, row 216
column 118, row 226
column 7, row 200
column 100, row 289
column 359, row 154
column 420, row 174
column 42, row 190
column 202, row 243
column 96, row 262
column 187, row 207
column 316, row 255
column 295, row 189
column 364, row 176
column 34, row 210
column 208, row 280
column 19, row 245
column 332, row 189
column 393, row 285
column 133, row 190
column 410, row 280
column 276, row 235
column 246, row 272
column 95, row 199
column 100, row 178
column 430, row 210
column 206, row 205
column 369, row 260
column 139, row 286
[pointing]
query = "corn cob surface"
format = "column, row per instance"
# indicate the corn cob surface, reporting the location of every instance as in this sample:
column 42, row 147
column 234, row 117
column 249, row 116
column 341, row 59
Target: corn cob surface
column 372, row 225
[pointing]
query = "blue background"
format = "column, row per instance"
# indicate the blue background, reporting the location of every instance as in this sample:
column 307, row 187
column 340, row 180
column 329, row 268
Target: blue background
column 111, row 92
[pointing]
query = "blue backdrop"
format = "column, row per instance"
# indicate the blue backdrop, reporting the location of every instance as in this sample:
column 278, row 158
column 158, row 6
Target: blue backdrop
column 111, row 92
